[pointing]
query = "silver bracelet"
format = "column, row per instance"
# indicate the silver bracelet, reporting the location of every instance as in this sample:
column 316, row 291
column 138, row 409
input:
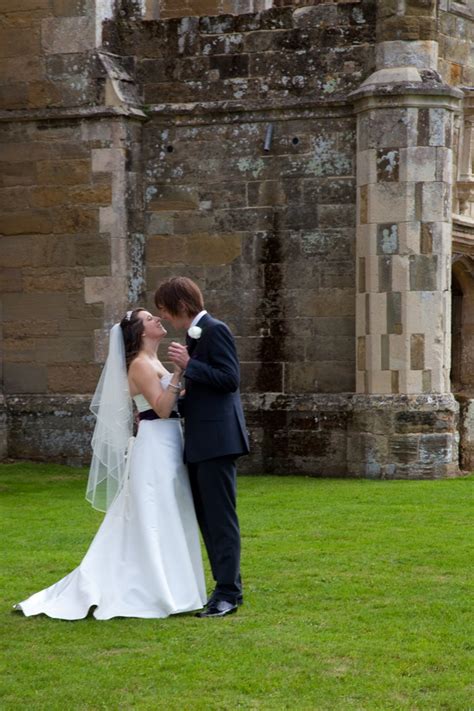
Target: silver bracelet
column 176, row 387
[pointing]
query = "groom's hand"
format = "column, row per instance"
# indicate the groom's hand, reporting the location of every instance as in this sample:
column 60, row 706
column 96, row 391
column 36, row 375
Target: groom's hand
column 178, row 354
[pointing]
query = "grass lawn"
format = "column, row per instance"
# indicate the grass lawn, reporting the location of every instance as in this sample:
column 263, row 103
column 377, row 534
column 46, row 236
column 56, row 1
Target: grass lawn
column 356, row 597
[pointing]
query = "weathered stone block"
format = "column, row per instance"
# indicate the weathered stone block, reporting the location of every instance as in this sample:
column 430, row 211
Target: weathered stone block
column 23, row 173
column 404, row 448
column 92, row 251
column 417, row 351
column 385, row 279
column 394, row 312
column 23, row 223
column 16, row 329
column 166, row 250
column 422, row 421
column 13, row 96
column 322, row 377
column 51, row 280
column 24, row 307
column 387, row 239
column 75, row 220
column 389, row 201
column 66, row 35
column 424, row 272
column 56, row 195
column 60, row 439
column 20, row 43
column 319, row 16
column 437, row 449
column 16, row 69
column 327, row 302
column 388, row 162
column 213, row 249
column 73, row 378
column 436, row 202
column 385, row 128
column 63, row 172
column 69, row 8
column 466, row 430
column 170, row 198
column 10, row 280
column 24, row 378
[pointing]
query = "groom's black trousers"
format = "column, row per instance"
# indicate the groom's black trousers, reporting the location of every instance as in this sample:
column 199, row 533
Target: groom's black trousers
column 214, row 488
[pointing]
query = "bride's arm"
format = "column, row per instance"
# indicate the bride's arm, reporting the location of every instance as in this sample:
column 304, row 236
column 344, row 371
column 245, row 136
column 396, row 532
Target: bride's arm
column 143, row 379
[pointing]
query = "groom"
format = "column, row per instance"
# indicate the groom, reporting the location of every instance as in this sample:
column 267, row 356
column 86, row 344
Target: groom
column 215, row 433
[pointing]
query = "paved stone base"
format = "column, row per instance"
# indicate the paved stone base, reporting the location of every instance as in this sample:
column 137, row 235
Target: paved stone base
column 466, row 431
column 50, row 428
column 339, row 435
column 403, row 437
column 297, row 434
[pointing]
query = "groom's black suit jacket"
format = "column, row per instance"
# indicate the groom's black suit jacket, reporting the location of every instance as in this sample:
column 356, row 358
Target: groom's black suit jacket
column 214, row 419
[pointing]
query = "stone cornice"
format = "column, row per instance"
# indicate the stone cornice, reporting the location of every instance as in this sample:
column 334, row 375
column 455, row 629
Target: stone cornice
column 406, row 94
column 74, row 112
column 193, row 112
column 236, row 111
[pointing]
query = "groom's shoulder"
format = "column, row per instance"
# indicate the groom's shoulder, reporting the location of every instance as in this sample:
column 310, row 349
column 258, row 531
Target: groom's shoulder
column 212, row 324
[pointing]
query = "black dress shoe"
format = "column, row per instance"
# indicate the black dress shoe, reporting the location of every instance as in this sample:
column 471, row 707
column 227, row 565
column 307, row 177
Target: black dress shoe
column 218, row 608
column 239, row 601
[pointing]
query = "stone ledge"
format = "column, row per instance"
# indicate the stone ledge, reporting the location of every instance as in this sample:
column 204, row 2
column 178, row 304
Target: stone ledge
column 50, row 428
column 403, row 437
column 76, row 112
column 405, row 94
column 297, row 402
column 194, row 110
column 337, row 435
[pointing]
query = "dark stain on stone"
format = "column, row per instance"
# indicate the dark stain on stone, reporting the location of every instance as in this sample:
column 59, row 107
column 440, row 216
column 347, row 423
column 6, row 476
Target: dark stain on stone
column 271, row 315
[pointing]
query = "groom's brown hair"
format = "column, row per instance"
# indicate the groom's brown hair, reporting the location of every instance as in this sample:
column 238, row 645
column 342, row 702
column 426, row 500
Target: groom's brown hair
column 179, row 294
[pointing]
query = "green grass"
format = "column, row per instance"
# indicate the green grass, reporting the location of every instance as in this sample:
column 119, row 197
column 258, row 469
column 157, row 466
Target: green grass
column 356, row 597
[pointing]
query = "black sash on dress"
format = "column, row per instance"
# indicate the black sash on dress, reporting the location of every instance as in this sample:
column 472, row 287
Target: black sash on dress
column 151, row 415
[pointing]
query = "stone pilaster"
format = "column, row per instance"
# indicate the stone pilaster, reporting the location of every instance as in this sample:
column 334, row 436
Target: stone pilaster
column 403, row 263
column 121, row 223
column 404, row 176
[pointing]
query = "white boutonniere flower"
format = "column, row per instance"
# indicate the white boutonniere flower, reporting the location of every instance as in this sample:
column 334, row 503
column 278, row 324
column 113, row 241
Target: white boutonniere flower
column 195, row 332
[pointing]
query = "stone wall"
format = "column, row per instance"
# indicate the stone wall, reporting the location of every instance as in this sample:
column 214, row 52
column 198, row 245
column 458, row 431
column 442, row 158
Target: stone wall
column 456, row 42
column 268, row 234
column 61, row 247
column 50, row 203
column 46, row 54
column 225, row 147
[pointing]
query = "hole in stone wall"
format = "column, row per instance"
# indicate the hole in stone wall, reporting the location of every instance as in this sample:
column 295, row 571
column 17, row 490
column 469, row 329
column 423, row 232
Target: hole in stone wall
column 170, row 149
column 295, row 141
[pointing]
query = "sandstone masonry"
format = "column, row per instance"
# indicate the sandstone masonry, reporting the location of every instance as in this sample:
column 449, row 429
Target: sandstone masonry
column 310, row 164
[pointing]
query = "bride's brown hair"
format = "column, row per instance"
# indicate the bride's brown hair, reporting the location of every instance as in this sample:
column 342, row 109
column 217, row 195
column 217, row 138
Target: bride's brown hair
column 132, row 331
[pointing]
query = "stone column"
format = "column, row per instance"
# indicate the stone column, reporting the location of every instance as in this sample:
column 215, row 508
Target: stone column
column 404, row 418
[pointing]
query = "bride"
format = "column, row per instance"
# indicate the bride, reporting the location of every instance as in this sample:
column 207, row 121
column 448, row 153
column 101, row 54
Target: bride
column 145, row 559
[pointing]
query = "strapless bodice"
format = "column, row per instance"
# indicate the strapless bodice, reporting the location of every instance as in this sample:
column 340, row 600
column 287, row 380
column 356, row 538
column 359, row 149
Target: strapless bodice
column 142, row 403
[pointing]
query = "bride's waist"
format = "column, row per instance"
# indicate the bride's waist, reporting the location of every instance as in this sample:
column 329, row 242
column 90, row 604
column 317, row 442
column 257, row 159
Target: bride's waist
column 151, row 415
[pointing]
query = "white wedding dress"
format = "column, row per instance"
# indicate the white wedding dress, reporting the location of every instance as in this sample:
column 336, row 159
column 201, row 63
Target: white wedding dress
column 145, row 560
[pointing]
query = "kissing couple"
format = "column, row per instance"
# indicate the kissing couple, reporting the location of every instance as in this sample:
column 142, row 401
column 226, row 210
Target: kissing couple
column 145, row 559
